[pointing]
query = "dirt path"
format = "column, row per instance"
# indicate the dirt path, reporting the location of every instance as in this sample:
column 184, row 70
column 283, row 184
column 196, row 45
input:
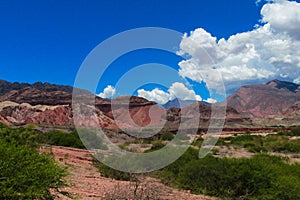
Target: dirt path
column 85, row 182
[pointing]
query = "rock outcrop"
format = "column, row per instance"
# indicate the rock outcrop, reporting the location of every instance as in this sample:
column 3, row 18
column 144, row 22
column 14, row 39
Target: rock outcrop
column 265, row 100
column 48, row 104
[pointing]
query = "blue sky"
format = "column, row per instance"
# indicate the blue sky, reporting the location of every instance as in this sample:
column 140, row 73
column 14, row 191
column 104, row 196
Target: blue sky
column 48, row 40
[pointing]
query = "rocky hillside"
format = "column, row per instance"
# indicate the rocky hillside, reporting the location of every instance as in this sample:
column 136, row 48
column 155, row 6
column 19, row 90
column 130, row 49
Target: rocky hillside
column 6, row 87
column 178, row 103
column 49, row 104
column 264, row 100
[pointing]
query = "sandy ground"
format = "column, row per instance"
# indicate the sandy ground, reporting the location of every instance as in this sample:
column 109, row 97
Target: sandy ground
column 85, row 182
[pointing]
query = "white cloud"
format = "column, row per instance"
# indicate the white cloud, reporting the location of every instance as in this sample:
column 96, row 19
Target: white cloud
column 176, row 90
column 267, row 52
column 180, row 91
column 283, row 16
column 210, row 100
column 108, row 92
column 156, row 95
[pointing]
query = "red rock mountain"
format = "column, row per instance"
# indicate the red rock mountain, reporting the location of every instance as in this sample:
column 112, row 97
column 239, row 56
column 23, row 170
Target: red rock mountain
column 49, row 104
column 264, row 100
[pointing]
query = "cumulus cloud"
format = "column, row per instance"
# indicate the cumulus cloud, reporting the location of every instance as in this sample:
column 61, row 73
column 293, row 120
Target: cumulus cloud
column 108, row 92
column 269, row 51
column 156, row 95
column 210, row 100
column 176, row 90
column 180, row 91
column 283, row 16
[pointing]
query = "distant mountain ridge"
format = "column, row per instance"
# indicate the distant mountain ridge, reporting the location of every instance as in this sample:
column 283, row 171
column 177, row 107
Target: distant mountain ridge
column 284, row 85
column 6, row 87
column 263, row 100
column 178, row 103
column 51, row 104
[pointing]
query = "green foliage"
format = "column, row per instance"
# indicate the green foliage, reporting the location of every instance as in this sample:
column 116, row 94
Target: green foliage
column 257, row 149
column 223, row 141
column 242, row 138
column 20, row 136
column 170, row 172
column 61, row 138
column 91, row 139
column 282, row 144
column 32, row 138
column 271, row 143
column 72, row 139
column 260, row 177
column 24, row 173
column 293, row 132
column 215, row 151
column 30, row 126
column 167, row 136
column 112, row 173
column 198, row 142
column 286, row 146
column 156, row 145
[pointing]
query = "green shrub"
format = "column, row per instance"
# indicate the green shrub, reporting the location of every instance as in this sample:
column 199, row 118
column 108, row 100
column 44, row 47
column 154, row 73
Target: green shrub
column 215, row 151
column 72, row 139
column 295, row 131
column 24, row 172
column 167, row 136
column 286, row 147
column 61, row 138
column 20, row 136
column 112, row 173
column 241, row 138
column 257, row 149
column 198, row 142
column 156, row 145
column 260, row 177
column 91, row 139
column 249, row 145
column 224, row 141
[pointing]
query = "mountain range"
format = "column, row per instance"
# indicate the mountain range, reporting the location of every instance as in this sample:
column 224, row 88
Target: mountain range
column 274, row 103
column 265, row 100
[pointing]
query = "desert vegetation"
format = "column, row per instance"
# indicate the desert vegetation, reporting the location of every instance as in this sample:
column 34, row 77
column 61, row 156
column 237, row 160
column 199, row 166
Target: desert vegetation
column 283, row 142
column 24, row 172
column 27, row 174
column 262, row 176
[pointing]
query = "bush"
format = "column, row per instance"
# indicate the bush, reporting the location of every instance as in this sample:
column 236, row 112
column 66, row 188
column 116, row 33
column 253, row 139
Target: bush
column 257, row 149
column 112, row 173
column 295, row 132
column 260, row 177
column 61, row 138
column 242, row 138
column 72, row 139
column 286, row 147
column 167, row 136
column 156, row 145
column 20, row 136
column 198, row 142
column 24, row 173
